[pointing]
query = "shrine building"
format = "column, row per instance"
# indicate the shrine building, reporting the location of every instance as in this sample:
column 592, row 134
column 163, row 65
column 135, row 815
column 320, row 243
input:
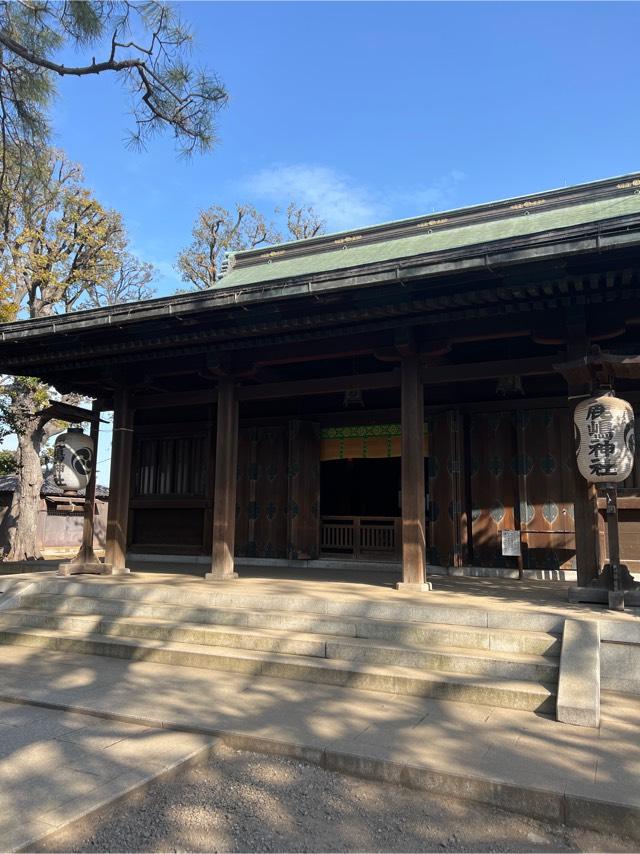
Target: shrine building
column 395, row 394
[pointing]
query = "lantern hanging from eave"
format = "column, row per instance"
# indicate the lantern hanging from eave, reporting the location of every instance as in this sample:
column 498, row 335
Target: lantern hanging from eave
column 72, row 459
column 605, row 438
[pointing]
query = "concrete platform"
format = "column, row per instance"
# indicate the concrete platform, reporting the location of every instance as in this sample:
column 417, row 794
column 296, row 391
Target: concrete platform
column 496, row 594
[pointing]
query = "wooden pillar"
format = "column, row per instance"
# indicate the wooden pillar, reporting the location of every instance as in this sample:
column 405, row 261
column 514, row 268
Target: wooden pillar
column 412, row 472
column 86, row 561
column 120, row 482
column 224, row 494
column 585, row 510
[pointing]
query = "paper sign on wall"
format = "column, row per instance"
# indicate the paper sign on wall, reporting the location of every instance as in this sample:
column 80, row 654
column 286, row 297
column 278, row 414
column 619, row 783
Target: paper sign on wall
column 511, row 543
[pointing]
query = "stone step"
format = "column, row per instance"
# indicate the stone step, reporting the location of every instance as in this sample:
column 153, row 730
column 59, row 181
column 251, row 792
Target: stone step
column 404, row 608
column 190, row 614
column 442, row 634
column 482, row 690
column 405, row 633
column 456, row 660
column 529, row 668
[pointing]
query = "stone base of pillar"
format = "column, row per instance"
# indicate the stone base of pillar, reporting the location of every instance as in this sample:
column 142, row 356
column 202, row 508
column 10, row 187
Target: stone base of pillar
column 626, row 581
column 616, row 600
column 85, row 568
column 419, row 587
column 215, row 576
column 600, row 596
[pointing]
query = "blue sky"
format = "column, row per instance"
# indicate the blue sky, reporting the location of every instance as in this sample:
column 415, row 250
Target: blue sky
column 371, row 112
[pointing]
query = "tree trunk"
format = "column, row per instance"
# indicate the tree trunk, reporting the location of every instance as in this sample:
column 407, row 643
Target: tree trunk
column 22, row 519
column 26, row 397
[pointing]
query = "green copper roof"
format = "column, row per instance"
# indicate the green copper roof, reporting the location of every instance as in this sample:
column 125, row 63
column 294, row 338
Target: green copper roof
column 431, row 235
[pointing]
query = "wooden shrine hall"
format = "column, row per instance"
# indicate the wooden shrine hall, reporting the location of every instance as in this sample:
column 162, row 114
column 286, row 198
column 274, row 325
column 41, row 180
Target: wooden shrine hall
column 393, row 393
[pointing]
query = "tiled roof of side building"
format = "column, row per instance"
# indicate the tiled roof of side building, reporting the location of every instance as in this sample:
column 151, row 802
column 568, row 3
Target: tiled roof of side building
column 9, row 482
column 423, row 236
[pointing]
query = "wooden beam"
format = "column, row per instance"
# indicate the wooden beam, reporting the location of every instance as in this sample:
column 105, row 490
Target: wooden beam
column 68, row 412
column 175, row 398
column 330, row 385
column 600, row 365
column 224, row 497
column 324, row 385
column 311, row 351
column 538, row 365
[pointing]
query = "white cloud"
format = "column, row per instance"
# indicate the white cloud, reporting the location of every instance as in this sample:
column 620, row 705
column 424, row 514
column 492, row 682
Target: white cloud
column 343, row 203
column 336, row 198
column 438, row 195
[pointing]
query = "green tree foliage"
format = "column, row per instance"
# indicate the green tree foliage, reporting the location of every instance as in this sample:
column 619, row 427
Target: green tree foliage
column 62, row 250
column 145, row 45
column 8, row 462
column 218, row 232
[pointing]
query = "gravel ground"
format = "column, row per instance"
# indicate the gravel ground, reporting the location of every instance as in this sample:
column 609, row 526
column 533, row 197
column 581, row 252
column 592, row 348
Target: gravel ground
column 241, row 801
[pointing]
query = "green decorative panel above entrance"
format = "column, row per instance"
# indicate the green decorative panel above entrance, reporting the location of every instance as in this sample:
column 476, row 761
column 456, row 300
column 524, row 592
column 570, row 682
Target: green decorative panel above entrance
column 362, row 441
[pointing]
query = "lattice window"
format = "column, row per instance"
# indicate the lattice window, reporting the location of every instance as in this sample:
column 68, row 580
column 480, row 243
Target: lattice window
column 170, row 466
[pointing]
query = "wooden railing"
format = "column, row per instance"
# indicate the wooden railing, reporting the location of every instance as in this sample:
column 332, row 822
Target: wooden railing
column 361, row 536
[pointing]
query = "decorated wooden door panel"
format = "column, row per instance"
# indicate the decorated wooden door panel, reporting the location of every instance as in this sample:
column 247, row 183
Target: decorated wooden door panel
column 544, row 465
column 261, row 504
column 304, row 491
column 446, row 516
column 493, row 485
column 270, row 504
column 246, row 439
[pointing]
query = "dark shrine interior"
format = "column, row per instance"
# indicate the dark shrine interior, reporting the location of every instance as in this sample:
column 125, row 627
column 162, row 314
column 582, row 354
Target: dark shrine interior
column 360, row 487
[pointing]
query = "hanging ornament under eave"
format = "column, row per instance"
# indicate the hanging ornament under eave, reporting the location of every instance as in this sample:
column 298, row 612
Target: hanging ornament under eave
column 72, row 460
column 605, row 438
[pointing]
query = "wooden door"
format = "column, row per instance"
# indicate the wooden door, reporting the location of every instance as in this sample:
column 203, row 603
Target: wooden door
column 493, row 485
column 521, row 479
column 446, row 513
column 304, row 491
column 543, row 464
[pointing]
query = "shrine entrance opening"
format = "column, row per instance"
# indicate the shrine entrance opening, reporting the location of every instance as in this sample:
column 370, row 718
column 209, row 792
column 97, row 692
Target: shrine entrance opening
column 360, row 492
column 360, row 508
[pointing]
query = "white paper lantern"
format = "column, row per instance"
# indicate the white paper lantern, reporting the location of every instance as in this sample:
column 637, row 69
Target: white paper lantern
column 605, row 438
column 72, row 459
